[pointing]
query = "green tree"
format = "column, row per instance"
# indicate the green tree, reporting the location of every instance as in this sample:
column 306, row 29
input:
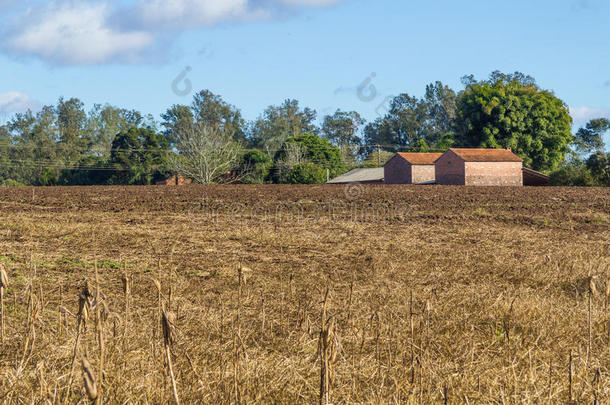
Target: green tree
column 140, row 156
column 380, row 132
column 421, row 146
column 279, row 123
column 599, row 165
column 410, row 120
column 43, row 149
column 304, row 148
column 176, row 119
column 445, row 142
column 572, row 176
column 62, row 144
column 441, row 111
column 255, row 166
column 104, row 122
column 510, row 111
column 377, row 159
column 71, row 124
column 212, row 110
column 342, row 129
column 315, row 149
column 6, row 150
column 591, row 137
column 30, row 148
column 207, row 109
column 307, row 173
column 91, row 170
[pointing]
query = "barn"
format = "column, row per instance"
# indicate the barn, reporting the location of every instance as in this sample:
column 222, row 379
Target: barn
column 479, row 167
column 410, row 168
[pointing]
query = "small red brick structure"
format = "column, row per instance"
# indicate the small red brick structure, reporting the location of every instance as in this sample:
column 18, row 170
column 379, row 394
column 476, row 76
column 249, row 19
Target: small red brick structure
column 479, row 167
column 410, row 168
column 174, row 180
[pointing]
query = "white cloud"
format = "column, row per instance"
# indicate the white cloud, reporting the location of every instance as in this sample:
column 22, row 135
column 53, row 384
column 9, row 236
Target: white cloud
column 310, row 3
column 583, row 114
column 181, row 14
column 15, row 101
column 75, row 33
column 85, row 32
column 192, row 13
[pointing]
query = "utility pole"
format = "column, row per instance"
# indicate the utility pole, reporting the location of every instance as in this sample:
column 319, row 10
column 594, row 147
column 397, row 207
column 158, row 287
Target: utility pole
column 327, row 175
column 378, row 155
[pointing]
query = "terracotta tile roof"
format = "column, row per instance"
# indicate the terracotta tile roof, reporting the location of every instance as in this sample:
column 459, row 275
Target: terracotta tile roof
column 486, row 155
column 420, row 158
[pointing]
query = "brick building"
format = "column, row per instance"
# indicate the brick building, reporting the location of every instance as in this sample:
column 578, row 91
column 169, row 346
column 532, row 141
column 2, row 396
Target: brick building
column 410, row 168
column 479, row 167
column 174, row 180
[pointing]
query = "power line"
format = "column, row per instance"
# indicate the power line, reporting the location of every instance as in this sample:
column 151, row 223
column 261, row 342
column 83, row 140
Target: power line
column 359, row 145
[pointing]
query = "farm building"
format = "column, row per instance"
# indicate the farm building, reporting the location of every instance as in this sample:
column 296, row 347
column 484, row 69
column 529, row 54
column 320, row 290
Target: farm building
column 174, row 180
column 479, row 167
column 363, row 175
column 534, row 178
column 410, row 168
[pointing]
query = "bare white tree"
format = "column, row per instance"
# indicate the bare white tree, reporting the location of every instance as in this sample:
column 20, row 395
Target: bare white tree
column 294, row 155
column 206, row 154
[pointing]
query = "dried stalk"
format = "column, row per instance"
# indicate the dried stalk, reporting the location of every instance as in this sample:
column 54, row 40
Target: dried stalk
column 327, row 351
column 100, row 336
column 89, row 380
column 84, row 303
column 237, row 337
column 3, row 286
column 570, row 377
column 126, row 292
column 168, row 320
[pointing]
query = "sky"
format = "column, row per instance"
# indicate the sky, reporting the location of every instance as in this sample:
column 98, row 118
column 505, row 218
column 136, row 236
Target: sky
column 328, row 54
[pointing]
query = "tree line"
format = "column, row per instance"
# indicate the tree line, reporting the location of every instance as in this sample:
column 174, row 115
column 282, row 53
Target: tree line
column 210, row 142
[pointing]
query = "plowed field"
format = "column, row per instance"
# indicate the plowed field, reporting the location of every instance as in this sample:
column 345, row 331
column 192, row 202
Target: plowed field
column 470, row 295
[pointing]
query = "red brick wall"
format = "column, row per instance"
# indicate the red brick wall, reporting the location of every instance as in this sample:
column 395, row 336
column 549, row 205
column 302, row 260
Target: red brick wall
column 397, row 171
column 180, row 180
column 450, row 169
column 494, row 174
column 421, row 173
column 174, row 181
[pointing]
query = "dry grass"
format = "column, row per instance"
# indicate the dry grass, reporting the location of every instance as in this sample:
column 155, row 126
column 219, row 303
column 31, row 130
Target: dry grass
column 438, row 304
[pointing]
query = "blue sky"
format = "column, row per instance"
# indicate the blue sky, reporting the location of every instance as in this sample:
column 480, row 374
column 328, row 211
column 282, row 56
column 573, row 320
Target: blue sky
column 259, row 52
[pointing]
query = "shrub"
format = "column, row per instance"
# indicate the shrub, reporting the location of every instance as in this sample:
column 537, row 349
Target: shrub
column 572, row 176
column 255, row 165
column 315, row 149
column 307, row 173
column 11, row 183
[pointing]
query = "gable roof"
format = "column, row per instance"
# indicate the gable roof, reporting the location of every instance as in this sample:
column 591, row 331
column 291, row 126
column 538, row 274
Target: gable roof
column 360, row 175
column 534, row 173
column 486, row 155
column 420, row 158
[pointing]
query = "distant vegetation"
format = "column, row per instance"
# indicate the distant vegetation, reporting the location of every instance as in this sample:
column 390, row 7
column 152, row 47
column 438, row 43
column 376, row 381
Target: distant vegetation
column 210, row 142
